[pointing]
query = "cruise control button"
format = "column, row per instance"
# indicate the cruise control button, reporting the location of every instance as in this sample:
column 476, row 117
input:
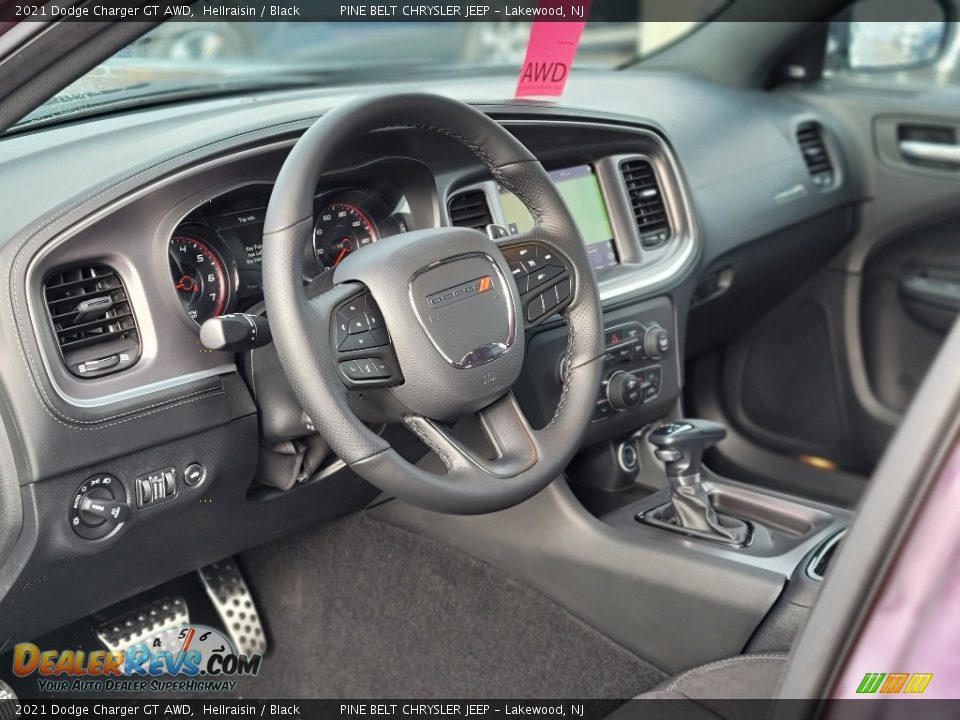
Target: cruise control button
column 539, row 277
column 563, row 290
column 550, row 300
column 522, row 253
column 535, row 309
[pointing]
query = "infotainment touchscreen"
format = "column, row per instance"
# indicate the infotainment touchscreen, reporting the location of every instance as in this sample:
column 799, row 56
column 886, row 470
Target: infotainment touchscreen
column 580, row 190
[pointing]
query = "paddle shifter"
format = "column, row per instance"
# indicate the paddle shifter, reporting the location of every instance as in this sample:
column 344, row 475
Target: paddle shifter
column 681, row 445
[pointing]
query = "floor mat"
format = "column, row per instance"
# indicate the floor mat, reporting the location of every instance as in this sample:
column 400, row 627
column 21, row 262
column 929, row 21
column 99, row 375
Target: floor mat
column 359, row 608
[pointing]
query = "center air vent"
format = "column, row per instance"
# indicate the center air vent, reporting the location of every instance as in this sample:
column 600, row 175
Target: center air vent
column 470, row 209
column 92, row 319
column 815, row 155
column 647, row 202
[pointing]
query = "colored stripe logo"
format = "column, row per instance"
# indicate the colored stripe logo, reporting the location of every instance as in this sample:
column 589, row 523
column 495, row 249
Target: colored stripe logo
column 894, row 683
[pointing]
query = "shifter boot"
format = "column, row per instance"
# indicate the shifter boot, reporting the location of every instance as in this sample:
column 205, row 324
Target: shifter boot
column 693, row 511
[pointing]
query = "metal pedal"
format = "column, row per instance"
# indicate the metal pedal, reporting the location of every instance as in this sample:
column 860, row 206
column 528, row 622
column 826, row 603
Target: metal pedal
column 232, row 600
column 138, row 625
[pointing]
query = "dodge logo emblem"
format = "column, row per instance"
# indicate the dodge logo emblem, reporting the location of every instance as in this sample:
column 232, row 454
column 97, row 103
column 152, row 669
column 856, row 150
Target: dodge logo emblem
column 466, row 290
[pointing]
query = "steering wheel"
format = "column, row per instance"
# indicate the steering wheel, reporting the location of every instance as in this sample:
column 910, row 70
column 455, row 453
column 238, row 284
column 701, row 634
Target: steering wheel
column 432, row 322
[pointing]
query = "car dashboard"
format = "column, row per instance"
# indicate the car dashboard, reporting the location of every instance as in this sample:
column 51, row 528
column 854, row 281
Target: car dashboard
column 128, row 251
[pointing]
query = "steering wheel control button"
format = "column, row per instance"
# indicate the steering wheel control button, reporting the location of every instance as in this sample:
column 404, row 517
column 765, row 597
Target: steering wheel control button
column 156, row 487
column 534, row 267
column 365, row 369
column 99, row 507
column 194, row 474
column 359, row 329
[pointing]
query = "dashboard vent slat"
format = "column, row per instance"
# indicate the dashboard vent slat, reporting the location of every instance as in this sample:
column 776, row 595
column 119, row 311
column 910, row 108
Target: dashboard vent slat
column 93, row 321
column 815, row 154
column 646, row 200
column 470, row 209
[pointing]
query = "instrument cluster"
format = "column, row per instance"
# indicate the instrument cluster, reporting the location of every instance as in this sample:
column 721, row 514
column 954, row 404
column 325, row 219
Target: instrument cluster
column 215, row 252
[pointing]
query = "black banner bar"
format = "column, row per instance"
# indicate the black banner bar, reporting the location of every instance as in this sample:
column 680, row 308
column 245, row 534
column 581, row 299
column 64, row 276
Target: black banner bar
column 424, row 11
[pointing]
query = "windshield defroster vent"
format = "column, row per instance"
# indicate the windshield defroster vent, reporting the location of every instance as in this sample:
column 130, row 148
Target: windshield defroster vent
column 647, row 202
column 92, row 319
column 470, row 209
column 815, row 155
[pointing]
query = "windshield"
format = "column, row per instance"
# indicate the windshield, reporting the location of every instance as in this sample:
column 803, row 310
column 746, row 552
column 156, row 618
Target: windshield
column 204, row 58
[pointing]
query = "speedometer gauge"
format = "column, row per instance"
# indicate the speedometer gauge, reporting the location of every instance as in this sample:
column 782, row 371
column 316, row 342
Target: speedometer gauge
column 199, row 276
column 341, row 229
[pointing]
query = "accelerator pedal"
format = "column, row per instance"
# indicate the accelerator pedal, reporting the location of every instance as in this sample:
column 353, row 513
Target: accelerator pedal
column 231, row 598
column 145, row 622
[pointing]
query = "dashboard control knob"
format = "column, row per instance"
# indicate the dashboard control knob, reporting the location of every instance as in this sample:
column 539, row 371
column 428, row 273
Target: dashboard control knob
column 624, row 391
column 98, row 507
column 656, row 342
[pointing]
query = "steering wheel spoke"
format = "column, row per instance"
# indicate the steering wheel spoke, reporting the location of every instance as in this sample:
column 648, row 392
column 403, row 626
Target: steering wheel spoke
column 543, row 277
column 505, row 429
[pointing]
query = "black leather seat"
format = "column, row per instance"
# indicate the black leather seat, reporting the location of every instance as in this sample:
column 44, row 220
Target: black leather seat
column 713, row 690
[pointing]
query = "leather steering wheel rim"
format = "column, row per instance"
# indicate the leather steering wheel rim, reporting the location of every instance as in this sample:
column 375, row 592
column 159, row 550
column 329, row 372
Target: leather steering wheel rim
column 526, row 459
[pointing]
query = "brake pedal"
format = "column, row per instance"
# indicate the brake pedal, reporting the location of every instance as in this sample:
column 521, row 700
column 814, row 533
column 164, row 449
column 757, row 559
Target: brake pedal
column 232, row 600
column 145, row 622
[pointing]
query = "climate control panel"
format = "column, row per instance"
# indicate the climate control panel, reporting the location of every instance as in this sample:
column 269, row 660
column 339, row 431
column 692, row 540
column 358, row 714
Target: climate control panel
column 633, row 374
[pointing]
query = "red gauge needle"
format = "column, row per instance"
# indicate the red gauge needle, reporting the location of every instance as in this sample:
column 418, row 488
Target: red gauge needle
column 343, row 252
column 186, row 283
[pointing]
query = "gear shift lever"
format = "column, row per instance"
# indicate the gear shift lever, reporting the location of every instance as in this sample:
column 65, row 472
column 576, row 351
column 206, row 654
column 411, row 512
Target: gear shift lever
column 680, row 445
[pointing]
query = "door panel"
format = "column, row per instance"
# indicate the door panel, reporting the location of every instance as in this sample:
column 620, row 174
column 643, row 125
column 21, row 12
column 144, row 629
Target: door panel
column 830, row 371
column 911, row 297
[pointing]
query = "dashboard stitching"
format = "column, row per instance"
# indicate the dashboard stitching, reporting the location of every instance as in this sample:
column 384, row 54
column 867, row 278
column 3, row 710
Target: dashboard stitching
column 35, row 236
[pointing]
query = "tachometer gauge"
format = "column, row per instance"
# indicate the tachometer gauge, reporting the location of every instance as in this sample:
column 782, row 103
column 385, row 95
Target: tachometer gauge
column 341, row 229
column 199, row 276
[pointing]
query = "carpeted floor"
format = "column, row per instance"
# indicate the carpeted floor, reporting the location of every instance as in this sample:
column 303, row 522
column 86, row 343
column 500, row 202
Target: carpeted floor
column 363, row 609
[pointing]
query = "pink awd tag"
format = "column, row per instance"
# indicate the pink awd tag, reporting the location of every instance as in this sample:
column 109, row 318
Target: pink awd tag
column 549, row 56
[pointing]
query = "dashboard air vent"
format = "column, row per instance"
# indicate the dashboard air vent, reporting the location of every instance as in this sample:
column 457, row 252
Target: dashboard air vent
column 815, row 155
column 470, row 209
column 643, row 188
column 92, row 319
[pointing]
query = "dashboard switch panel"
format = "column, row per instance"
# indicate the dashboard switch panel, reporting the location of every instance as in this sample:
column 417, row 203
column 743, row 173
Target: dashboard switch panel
column 156, row 487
